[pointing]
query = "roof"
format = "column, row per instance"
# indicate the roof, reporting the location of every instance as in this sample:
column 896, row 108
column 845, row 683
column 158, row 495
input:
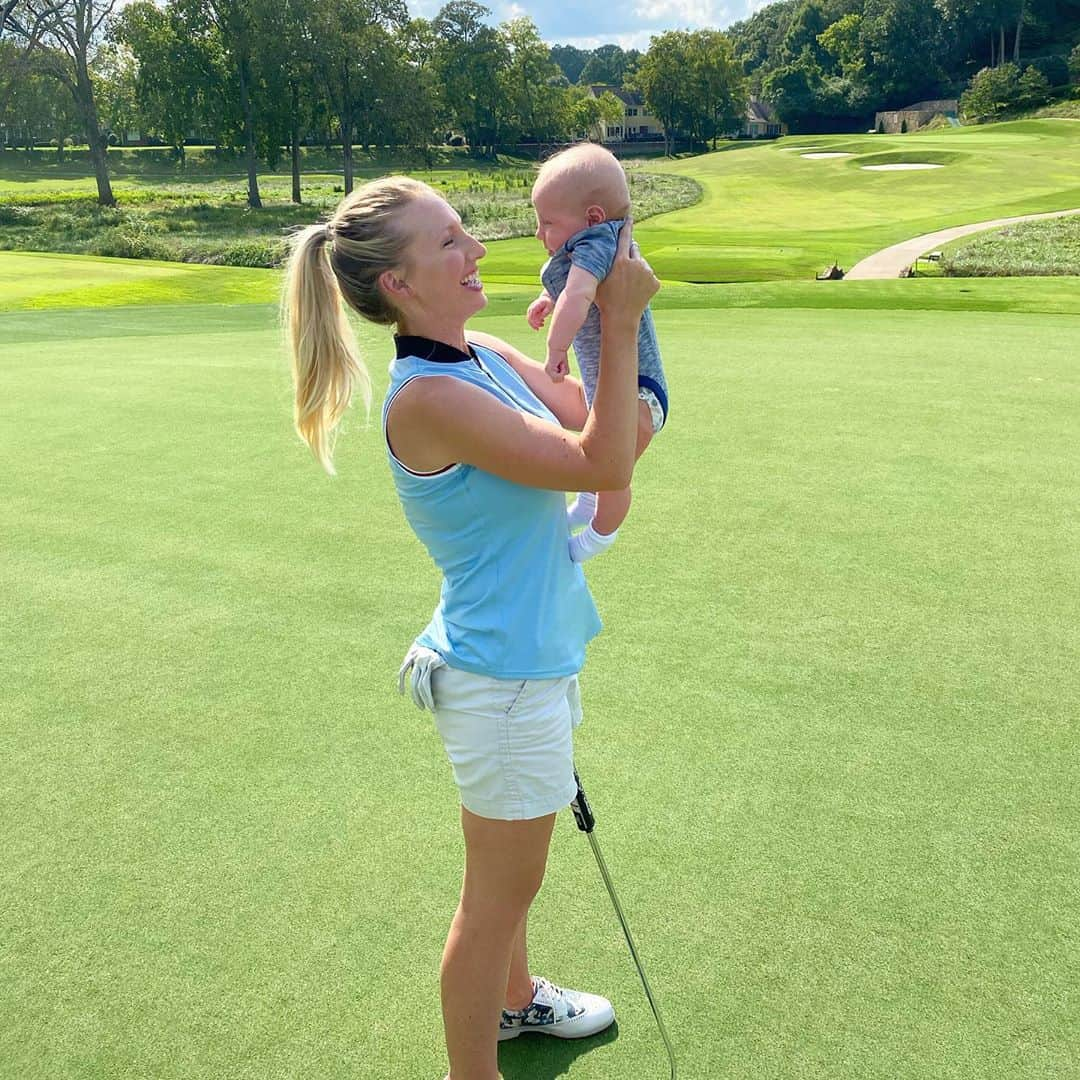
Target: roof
column 627, row 97
column 759, row 111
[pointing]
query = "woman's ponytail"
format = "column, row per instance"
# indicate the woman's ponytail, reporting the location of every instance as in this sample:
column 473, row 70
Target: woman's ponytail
column 326, row 367
column 341, row 260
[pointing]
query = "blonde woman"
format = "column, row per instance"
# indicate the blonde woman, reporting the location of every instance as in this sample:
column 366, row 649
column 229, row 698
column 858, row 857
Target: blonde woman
column 481, row 445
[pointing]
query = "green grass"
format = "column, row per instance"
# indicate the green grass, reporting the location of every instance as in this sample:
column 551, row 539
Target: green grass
column 1031, row 248
column 769, row 214
column 830, row 726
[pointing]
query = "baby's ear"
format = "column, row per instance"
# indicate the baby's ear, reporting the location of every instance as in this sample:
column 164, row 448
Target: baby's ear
column 594, row 215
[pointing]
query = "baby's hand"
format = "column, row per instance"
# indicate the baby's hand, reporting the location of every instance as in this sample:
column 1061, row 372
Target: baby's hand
column 539, row 310
column 557, row 366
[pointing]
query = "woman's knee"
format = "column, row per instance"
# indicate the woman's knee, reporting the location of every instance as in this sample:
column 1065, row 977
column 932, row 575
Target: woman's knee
column 504, row 863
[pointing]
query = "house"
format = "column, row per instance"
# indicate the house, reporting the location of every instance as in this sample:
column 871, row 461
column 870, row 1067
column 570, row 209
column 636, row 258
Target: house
column 897, row 121
column 761, row 122
column 637, row 124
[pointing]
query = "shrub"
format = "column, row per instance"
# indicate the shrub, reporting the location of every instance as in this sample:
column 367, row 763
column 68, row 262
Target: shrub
column 1032, row 88
column 1055, row 68
column 991, row 92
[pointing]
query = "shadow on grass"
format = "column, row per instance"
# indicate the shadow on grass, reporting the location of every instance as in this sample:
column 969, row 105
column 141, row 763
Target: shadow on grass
column 540, row 1057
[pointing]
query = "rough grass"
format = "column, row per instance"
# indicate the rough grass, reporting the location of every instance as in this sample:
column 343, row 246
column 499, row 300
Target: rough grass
column 207, row 220
column 1028, row 249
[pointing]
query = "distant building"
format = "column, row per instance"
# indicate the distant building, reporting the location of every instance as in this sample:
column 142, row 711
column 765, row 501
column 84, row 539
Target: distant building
column 637, row 122
column 761, row 122
column 897, row 121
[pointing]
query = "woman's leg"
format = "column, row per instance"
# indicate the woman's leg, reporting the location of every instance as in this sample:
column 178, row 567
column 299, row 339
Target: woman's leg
column 504, row 866
column 519, row 987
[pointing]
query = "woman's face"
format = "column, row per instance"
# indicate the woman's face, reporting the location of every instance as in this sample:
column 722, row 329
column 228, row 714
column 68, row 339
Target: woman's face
column 440, row 262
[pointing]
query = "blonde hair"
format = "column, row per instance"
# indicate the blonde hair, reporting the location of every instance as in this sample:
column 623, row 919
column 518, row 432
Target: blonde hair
column 590, row 175
column 340, row 260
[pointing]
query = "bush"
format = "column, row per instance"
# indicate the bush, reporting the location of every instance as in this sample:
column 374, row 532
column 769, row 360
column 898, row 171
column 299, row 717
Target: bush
column 991, row 92
column 1055, row 68
column 1032, row 88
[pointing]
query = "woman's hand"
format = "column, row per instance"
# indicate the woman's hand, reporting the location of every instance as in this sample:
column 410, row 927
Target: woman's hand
column 630, row 283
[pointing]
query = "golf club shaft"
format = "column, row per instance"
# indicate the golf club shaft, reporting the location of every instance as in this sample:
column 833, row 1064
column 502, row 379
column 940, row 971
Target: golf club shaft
column 584, row 816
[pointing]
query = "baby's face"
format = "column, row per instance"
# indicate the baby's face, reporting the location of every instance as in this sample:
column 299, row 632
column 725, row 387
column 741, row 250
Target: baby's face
column 556, row 219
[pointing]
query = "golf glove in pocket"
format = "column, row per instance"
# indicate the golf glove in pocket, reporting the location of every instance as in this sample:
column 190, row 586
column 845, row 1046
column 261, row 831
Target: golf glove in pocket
column 421, row 661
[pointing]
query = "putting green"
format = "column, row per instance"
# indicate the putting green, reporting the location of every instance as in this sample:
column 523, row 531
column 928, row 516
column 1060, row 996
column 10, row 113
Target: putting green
column 830, row 725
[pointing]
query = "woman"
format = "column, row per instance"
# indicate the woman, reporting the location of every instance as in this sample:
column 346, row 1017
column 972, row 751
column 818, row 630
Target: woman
column 481, row 445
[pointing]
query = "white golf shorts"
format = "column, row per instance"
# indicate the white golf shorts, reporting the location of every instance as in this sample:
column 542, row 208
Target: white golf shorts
column 509, row 741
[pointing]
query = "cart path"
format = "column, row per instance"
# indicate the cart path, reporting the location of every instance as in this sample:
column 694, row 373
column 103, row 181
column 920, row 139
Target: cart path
column 888, row 262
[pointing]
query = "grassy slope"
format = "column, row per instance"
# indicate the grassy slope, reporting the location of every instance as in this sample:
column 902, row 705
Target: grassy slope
column 770, row 214
column 861, row 864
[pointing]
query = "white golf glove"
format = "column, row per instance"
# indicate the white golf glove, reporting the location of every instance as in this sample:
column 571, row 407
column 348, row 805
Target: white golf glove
column 422, row 661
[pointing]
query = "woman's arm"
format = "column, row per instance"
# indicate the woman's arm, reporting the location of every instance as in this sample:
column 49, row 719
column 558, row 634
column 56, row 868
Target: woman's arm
column 565, row 399
column 438, row 421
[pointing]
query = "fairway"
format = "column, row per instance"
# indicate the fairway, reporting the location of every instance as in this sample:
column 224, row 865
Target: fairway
column 829, row 734
column 768, row 213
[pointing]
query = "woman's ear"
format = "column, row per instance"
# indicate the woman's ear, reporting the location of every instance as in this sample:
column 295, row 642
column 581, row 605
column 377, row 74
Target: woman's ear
column 394, row 286
column 594, row 215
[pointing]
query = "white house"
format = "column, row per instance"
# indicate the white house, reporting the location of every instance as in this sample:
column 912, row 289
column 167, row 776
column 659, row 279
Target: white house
column 637, row 122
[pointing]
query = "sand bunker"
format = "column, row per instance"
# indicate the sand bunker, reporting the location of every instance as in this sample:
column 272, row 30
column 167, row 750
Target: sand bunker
column 900, row 165
column 827, row 154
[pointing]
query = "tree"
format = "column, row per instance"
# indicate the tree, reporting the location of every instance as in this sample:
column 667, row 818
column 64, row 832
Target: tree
column 717, row 84
column 469, row 60
column 571, row 60
column 1074, row 63
column 355, row 55
column 20, row 31
column 1032, row 88
column 585, row 113
column 992, row 92
column 416, row 97
column 233, row 23
column 114, row 71
column 757, row 41
column 182, row 77
column 609, row 65
column 661, row 79
column 33, row 109
column 794, row 91
column 903, row 45
column 72, row 31
column 530, row 82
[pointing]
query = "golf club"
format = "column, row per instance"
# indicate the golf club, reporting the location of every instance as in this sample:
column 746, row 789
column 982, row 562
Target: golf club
column 586, row 822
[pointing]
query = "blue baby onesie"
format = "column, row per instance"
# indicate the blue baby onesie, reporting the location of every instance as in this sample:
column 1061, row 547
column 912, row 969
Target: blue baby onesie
column 593, row 249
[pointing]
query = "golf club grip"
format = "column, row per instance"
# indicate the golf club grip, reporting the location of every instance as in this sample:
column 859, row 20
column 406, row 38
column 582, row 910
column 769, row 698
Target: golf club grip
column 583, row 814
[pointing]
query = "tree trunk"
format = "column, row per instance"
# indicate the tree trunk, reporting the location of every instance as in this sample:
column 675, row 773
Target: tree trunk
column 346, row 152
column 83, row 92
column 294, row 138
column 249, row 137
column 1019, row 33
column 1001, row 48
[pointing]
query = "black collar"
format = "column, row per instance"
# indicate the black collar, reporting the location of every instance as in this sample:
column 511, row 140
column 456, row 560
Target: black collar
column 425, row 349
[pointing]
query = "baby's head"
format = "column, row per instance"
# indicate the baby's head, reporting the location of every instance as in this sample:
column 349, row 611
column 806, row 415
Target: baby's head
column 577, row 188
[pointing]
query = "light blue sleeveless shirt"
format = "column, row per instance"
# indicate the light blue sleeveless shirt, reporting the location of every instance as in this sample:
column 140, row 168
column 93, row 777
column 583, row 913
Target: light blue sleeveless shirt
column 513, row 605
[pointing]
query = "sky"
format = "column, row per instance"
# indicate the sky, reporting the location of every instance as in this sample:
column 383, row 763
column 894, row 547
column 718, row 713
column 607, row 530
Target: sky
column 588, row 23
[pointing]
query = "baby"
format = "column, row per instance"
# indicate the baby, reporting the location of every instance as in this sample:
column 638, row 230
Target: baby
column 581, row 198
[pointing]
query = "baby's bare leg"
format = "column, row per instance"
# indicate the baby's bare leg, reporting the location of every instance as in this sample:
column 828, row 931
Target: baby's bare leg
column 613, row 506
